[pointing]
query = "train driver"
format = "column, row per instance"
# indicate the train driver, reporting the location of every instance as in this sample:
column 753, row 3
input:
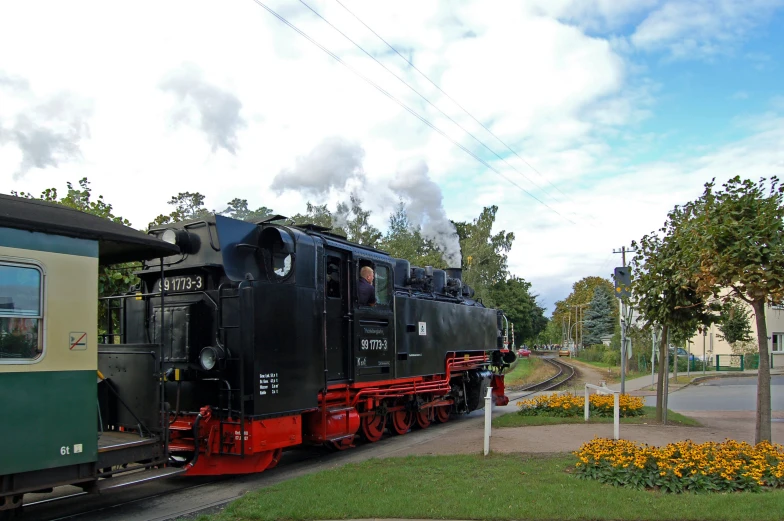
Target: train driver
column 365, row 290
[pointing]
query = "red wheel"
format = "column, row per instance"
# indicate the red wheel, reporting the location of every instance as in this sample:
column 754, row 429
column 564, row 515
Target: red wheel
column 276, row 455
column 443, row 412
column 401, row 421
column 423, row 418
column 373, row 426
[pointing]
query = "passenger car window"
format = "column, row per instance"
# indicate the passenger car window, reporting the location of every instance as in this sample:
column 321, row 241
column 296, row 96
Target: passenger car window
column 21, row 312
column 382, row 286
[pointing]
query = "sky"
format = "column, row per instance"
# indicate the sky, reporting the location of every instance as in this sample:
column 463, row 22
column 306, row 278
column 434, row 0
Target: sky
column 584, row 121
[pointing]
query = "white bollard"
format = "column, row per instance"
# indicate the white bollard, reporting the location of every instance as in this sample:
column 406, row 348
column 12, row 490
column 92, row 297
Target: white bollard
column 488, row 418
column 616, row 406
column 587, row 402
column 616, row 416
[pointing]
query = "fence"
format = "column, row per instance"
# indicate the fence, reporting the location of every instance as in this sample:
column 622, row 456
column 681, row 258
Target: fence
column 739, row 362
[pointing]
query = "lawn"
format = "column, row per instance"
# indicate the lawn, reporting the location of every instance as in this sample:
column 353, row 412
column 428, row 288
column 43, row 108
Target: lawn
column 528, row 371
column 649, row 417
column 501, row 486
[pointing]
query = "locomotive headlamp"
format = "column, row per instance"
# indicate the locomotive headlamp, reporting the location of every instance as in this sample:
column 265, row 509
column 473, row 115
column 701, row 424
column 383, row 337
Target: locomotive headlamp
column 170, row 236
column 209, row 356
column 188, row 242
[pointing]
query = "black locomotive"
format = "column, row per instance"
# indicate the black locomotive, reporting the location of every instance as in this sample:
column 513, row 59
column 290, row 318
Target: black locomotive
column 265, row 345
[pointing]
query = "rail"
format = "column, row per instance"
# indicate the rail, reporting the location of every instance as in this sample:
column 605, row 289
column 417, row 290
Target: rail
column 554, row 381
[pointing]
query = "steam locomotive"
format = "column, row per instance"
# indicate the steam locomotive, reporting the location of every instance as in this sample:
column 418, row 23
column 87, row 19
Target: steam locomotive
column 265, row 345
column 240, row 340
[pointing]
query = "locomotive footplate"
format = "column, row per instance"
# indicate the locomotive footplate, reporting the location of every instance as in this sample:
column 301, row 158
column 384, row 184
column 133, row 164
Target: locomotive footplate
column 118, row 448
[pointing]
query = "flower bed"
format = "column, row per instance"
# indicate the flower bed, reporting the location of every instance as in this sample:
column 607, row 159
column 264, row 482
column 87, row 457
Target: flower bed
column 572, row 405
column 683, row 466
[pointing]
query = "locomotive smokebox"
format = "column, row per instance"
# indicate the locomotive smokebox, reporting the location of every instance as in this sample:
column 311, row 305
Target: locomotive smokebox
column 455, row 273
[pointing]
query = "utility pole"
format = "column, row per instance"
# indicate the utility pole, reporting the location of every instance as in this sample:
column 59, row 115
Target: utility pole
column 622, row 311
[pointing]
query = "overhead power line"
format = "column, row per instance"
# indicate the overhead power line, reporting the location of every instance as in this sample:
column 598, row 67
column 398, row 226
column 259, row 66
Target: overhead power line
column 407, row 108
column 425, row 99
column 453, row 100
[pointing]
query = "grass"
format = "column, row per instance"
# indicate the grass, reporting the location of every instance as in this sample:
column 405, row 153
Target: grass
column 501, row 486
column 528, row 370
column 649, row 417
column 612, row 373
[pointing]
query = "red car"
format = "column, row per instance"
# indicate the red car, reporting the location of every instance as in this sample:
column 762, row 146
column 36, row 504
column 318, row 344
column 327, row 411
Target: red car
column 523, row 352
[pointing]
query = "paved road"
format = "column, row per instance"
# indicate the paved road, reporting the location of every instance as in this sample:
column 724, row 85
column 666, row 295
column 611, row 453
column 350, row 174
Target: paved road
column 724, row 394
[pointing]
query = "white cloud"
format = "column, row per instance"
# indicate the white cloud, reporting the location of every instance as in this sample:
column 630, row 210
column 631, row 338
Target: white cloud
column 257, row 96
column 689, row 29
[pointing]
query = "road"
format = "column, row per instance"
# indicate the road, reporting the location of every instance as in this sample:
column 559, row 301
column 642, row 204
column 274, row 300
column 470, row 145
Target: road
column 723, row 394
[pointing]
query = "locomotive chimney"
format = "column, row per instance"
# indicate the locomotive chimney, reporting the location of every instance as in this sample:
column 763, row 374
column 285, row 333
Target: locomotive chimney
column 455, row 273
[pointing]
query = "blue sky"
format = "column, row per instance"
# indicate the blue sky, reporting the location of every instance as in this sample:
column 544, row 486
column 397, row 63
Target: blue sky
column 626, row 107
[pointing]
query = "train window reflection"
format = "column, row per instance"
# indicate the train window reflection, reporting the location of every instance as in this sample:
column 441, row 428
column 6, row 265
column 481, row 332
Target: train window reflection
column 382, row 285
column 20, row 312
column 281, row 264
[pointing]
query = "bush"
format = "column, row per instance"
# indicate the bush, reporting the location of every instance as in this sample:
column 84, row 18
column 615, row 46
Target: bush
column 683, row 466
column 595, row 353
column 563, row 405
column 612, row 357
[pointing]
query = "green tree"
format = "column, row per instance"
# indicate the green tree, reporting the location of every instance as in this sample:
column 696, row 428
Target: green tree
column 663, row 291
column 238, row 209
column 734, row 324
column 113, row 279
column 187, row 206
column 355, row 221
column 403, row 240
column 566, row 311
column 514, row 297
column 484, row 253
column 318, row 215
column 734, row 242
column 551, row 334
column 599, row 317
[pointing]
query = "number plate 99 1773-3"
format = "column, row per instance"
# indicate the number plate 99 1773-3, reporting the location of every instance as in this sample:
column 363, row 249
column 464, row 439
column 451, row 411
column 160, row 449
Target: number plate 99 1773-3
column 373, row 344
column 181, row 283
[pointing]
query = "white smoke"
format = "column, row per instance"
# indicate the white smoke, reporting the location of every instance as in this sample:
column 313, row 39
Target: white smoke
column 425, row 209
column 330, row 165
column 47, row 132
column 335, row 164
column 215, row 111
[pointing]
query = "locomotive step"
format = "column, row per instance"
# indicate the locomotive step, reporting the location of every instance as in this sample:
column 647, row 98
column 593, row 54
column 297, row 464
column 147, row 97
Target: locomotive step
column 134, row 478
column 339, row 409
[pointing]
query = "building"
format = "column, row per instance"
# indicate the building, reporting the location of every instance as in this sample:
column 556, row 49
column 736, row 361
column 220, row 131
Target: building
column 714, row 344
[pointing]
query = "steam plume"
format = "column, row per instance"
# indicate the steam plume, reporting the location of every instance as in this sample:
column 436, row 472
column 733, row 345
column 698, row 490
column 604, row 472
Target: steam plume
column 215, row 111
column 48, row 133
column 330, row 165
column 425, row 208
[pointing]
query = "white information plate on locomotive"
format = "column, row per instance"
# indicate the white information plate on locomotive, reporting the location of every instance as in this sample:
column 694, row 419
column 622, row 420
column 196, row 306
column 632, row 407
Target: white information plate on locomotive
column 181, row 283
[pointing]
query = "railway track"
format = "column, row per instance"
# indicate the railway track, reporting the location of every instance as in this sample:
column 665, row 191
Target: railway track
column 205, row 493
column 565, row 373
column 178, row 497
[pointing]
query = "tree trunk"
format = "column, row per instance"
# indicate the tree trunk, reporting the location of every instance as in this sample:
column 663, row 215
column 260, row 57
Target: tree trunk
column 662, row 375
column 762, row 431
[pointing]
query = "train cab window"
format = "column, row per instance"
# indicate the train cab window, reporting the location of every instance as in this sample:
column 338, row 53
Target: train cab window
column 382, row 285
column 277, row 249
column 333, row 277
column 21, row 312
column 281, row 264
